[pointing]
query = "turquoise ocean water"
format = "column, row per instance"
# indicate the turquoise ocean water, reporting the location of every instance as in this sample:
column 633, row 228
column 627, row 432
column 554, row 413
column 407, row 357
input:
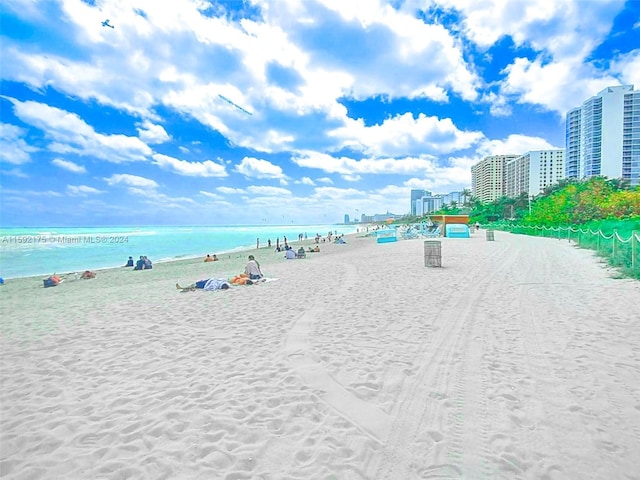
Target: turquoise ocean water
column 42, row 251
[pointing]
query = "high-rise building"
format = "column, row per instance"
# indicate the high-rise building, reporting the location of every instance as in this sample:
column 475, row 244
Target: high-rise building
column 533, row 171
column 416, row 195
column 488, row 177
column 603, row 136
column 572, row 143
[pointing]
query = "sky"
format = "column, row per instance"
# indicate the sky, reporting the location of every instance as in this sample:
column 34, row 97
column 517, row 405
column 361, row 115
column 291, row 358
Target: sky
column 195, row 112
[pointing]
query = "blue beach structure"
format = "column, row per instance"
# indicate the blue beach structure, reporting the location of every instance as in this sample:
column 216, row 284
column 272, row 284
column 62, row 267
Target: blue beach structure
column 457, row 230
column 386, row 236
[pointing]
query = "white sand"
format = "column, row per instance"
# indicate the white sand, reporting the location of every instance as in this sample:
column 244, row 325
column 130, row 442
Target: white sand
column 519, row 359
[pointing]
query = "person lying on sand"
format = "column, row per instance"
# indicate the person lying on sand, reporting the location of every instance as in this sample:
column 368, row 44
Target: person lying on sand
column 208, row 284
column 241, row 279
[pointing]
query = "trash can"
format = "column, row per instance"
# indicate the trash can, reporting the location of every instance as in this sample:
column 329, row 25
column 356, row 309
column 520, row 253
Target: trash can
column 432, row 253
column 489, row 235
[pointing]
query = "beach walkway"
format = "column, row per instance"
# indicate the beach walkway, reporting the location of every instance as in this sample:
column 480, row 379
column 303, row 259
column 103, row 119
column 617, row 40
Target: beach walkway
column 518, row 359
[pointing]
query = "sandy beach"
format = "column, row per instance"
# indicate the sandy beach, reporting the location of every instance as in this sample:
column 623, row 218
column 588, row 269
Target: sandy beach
column 518, row 359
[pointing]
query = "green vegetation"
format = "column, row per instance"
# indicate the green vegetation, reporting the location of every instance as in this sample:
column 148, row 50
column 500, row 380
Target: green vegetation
column 569, row 202
column 596, row 213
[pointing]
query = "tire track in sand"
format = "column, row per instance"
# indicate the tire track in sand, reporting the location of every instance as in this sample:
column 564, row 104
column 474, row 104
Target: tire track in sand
column 298, row 350
column 425, row 407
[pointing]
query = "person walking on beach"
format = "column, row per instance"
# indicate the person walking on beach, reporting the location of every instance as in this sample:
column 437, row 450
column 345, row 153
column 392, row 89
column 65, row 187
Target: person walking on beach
column 257, row 243
column 253, row 269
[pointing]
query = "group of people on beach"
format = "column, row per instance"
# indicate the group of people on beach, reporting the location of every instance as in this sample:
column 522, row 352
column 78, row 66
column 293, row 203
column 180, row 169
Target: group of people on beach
column 143, row 263
column 55, row 279
column 252, row 274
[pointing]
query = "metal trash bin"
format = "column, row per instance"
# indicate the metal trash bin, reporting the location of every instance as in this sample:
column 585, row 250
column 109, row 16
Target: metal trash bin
column 432, row 253
column 489, row 235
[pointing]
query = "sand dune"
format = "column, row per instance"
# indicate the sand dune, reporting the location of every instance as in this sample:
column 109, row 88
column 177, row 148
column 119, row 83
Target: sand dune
column 518, row 359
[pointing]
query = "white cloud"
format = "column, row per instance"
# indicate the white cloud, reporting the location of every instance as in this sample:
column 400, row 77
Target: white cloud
column 256, row 168
column 628, row 68
column 397, row 53
column 268, row 191
column 82, row 190
column 514, row 144
column 558, row 86
column 211, row 195
column 231, row 191
column 69, row 166
column 14, row 148
column 152, row 134
column 564, row 28
column 15, row 172
column 190, row 169
column 131, row 181
column 307, row 181
column 405, row 135
column 352, row 178
column 70, row 134
column 184, row 47
column 564, row 34
column 349, row 167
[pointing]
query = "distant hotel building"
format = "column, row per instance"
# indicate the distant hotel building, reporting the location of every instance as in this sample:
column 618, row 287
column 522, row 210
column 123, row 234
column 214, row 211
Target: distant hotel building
column 429, row 203
column 534, row 171
column 416, row 196
column 488, row 177
column 603, row 136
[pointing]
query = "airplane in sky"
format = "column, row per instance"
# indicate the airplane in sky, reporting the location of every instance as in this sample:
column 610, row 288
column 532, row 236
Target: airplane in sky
column 107, row 24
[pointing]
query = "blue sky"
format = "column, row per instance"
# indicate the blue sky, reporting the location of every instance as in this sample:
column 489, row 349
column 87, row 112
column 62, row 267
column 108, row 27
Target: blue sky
column 188, row 112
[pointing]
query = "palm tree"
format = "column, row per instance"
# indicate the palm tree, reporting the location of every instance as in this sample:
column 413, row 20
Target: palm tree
column 466, row 196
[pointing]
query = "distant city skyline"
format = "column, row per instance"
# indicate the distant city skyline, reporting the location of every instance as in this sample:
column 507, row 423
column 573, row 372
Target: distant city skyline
column 277, row 112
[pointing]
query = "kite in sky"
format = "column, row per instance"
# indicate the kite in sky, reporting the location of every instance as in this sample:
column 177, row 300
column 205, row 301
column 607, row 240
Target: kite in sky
column 234, row 104
column 107, row 24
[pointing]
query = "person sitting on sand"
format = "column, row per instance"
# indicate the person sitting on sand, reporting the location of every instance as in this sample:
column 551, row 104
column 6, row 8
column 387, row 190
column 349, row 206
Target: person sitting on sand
column 290, row 254
column 301, row 253
column 215, row 258
column 129, row 262
column 209, row 284
column 253, row 269
column 147, row 263
column 139, row 264
column 208, row 258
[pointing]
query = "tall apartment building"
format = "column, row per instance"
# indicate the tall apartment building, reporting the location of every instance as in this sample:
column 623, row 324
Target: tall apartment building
column 533, row 171
column 603, row 136
column 449, row 198
column 488, row 177
column 416, row 195
column 428, row 204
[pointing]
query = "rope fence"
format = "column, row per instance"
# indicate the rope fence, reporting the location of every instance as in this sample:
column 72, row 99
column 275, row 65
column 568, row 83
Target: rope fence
column 623, row 253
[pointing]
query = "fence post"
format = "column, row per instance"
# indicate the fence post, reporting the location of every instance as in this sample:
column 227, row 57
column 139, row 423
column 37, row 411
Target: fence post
column 633, row 248
column 613, row 248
